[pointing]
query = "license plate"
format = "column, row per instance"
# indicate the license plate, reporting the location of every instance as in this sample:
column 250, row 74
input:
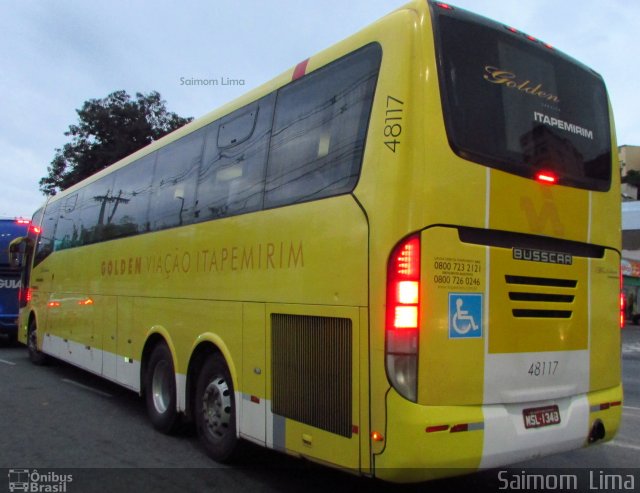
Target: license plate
column 538, row 417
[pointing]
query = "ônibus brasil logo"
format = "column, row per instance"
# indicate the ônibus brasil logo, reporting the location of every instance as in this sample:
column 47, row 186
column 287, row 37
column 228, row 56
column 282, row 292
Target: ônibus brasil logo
column 38, row 482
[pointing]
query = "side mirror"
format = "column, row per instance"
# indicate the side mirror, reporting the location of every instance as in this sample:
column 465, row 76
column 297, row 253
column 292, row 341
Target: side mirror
column 17, row 252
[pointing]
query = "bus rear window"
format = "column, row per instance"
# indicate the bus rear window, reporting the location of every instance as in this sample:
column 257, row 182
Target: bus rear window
column 514, row 104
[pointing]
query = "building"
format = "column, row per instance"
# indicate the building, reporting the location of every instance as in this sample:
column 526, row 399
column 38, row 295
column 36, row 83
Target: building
column 629, row 157
column 630, row 264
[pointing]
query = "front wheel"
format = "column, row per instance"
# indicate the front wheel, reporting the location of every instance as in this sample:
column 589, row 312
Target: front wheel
column 160, row 390
column 215, row 410
column 36, row 356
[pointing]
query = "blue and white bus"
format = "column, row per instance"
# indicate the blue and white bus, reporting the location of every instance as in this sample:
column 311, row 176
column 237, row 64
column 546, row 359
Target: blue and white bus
column 10, row 276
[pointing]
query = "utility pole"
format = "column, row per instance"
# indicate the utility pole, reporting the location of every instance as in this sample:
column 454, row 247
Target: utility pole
column 108, row 199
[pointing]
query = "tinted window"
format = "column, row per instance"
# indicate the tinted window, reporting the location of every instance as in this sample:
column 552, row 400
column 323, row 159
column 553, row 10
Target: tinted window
column 131, row 193
column 34, row 232
column 319, row 130
column 96, row 207
column 232, row 175
column 314, row 151
column 9, row 230
column 174, row 183
column 519, row 106
column 237, row 127
column 36, row 220
column 44, row 247
column 68, row 228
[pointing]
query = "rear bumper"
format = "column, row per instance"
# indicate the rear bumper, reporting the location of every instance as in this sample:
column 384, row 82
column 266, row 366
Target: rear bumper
column 494, row 435
column 9, row 324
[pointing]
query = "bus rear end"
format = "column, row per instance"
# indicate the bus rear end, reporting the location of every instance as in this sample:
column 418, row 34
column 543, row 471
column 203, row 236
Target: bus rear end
column 9, row 276
column 502, row 326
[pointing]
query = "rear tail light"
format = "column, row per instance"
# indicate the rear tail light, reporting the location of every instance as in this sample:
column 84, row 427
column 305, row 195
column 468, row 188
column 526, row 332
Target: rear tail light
column 403, row 317
column 547, row 177
column 529, row 37
column 444, row 6
column 24, row 297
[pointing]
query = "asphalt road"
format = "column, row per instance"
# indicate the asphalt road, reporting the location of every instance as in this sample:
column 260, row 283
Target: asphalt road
column 57, row 421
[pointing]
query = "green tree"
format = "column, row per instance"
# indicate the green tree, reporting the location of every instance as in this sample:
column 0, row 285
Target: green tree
column 108, row 130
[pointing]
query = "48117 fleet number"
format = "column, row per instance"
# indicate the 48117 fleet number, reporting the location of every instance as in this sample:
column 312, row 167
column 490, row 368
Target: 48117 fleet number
column 543, row 368
column 393, row 122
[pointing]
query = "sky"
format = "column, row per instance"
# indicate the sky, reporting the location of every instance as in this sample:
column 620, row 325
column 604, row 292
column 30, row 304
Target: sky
column 56, row 55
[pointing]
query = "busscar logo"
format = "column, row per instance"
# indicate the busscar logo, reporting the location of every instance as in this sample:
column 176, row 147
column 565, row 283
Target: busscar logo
column 533, row 255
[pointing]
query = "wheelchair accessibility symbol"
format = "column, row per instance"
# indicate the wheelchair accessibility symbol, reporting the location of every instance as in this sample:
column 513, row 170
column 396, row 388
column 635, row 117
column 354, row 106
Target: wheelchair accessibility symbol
column 465, row 315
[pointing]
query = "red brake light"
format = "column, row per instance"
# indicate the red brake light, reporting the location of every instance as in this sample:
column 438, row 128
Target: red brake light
column 35, row 229
column 24, row 296
column 405, row 260
column 445, row 6
column 403, row 288
column 23, row 221
column 403, row 317
column 528, row 36
column 546, row 177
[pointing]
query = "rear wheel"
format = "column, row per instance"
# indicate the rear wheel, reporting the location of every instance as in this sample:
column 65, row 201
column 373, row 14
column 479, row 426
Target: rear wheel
column 215, row 410
column 36, row 356
column 160, row 390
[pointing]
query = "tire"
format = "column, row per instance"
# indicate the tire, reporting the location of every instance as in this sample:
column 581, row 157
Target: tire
column 160, row 390
column 36, row 356
column 215, row 410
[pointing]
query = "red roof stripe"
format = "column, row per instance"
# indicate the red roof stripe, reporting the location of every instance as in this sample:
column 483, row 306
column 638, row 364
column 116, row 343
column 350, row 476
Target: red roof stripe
column 300, row 69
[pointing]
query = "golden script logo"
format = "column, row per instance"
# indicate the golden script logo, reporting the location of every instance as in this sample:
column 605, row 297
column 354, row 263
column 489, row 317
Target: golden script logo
column 496, row 75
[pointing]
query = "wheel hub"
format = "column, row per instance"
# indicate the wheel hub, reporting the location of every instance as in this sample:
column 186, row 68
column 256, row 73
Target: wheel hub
column 161, row 386
column 216, row 407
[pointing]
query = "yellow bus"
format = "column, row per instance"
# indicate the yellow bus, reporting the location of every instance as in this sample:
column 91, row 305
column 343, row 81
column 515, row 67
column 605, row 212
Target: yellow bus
column 400, row 258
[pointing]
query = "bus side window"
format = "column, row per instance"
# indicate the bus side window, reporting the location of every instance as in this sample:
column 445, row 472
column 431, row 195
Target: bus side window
column 231, row 178
column 95, row 210
column 44, row 248
column 173, row 192
column 131, row 192
column 68, row 228
column 319, row 130
column 237, row 127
